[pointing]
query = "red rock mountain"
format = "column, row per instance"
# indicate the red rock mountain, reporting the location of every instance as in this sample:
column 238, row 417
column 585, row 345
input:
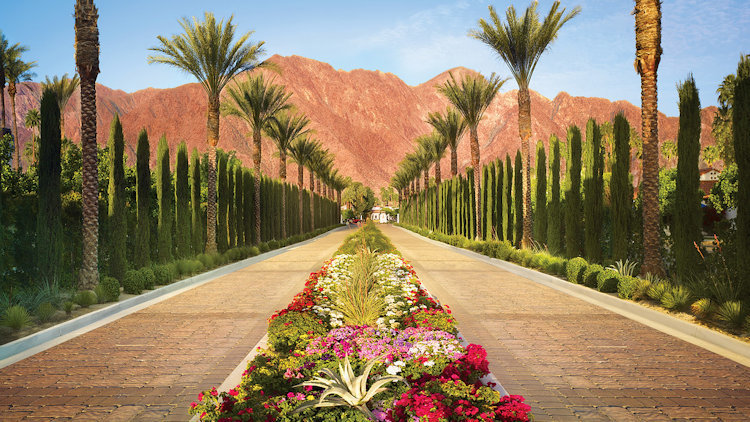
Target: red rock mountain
column 368, row 119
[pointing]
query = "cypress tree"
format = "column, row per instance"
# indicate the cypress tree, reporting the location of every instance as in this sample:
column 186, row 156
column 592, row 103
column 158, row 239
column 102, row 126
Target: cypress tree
column 116, row 221
column 518, row 197
column 621, row 190
column 741, row 137
column 485, row 192
column 456, row 205
column 489, row 202
column 231, row 214
column 222, row 232
column 195, row 202
column 687, row 210
column 499, row 193
column 247, row 198
column 164, row 199
column 471, row 206
column 593, row 189
column 142, row 252
column 508, row 200
column 182, row 203
column 49, row 241
column 554, row 226
column 573, row 232
column 239, row 219
column 540, row 214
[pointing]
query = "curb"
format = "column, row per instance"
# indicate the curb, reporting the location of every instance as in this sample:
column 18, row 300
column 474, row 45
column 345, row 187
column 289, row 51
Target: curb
column 30, row 345
column 706, row 338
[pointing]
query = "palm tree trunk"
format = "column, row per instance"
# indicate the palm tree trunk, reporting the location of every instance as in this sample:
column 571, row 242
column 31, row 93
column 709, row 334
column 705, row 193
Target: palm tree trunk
column 474, row 137
column 524, row 131
column 312, row 201
column 282, row 176
column 212, row 124
column 648, row 54
column 12, row 93
column 300, row 194
column 2, row 102
column 90, row 195
column 256, row 166
column 454, row 162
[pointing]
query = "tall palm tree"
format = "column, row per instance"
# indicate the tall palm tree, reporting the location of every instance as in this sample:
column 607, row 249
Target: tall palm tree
column 301, row 151
column 64, row 87
column 319, row 164
column 284, row 129
column 452, row 127
column 647, row 57
column 208, row 51
column 256, row 101
column 17, row 71
column 471, row 97
column 87, row 64
column 520, row 42
column 436, row 145
column 32, row 120
column 7, row 53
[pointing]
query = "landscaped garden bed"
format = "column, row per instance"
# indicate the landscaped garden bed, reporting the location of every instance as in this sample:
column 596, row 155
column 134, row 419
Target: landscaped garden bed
column 363, row 341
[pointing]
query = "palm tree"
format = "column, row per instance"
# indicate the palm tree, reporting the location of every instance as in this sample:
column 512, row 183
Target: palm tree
column 7, row 53
column 471, row 97
column 32, row 121
column 207, row 50
column 318, row 165
column 284, row 129
column 436, row 146
column 301, row 152
column 64, row 87
column 87, row 64
column 17, row 71
column 520, row 43
column 256, row 101
column 452, row 127
column 647, row 57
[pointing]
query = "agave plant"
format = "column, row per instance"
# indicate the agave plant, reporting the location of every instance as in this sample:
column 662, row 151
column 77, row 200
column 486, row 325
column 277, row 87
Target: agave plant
column 346, row 389
column 624, row 268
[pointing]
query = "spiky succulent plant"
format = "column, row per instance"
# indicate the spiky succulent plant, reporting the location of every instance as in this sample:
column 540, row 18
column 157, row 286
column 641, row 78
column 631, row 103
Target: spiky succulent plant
column 346, row 389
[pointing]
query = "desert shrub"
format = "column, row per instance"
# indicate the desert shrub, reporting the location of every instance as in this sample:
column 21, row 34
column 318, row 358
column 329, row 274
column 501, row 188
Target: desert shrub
column 109, row 289
column 68, row 306
column 206, row 260
column 624, row 268
column 173, row 273
column 657, row 289
column 254, row 251
column 288, row 331
column 626, row 286
column 45, row 311
column 184, row 267
column 702, row 308
column 16, row 317
column 574, row 269
column 197, row 266
column 263, row 246
column 677, row 298
column 526, row 257
column 273, row 244
column 590, row 275
column 539, row 261
column 85, row 298
column 731, row 312
column 606, row 281
column 161, row 275
column 504, row 250
column 132, row 282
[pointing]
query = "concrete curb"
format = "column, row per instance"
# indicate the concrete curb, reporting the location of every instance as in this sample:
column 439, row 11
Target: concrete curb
column 706, row 338
column 30, row 345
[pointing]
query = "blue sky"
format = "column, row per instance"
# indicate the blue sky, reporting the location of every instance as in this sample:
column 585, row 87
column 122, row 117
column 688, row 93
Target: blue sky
column 415, row 39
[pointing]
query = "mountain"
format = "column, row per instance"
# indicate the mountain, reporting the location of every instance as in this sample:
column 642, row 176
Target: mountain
column 368, row 119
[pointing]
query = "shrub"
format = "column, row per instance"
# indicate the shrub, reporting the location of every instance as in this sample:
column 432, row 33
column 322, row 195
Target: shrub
column 286, row 332
column 732, row 312
column 173, row 274
column 657, row 290
column 607, row 280
column 132, row 283
column 197, row 266
column 702, row 308
column 254, row 251
column 626, row 286
column 161, row 275
column 625, row 267
column 590, row 276
column 574, row 269
column 68, row 306
column 526, row 257
column 109, row 289
column 263, row 246
column 45, row 311
column 85, row 298
column 184, row 267
column 273, row 244
column 148, row 278
column 16, row 317
column 206, row 260
column 677, row 298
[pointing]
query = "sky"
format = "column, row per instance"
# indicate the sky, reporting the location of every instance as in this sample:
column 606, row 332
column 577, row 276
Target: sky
column 415, row 40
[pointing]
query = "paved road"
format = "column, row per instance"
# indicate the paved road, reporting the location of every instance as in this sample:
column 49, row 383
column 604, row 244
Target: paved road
column 573, row 360
column 151, row 364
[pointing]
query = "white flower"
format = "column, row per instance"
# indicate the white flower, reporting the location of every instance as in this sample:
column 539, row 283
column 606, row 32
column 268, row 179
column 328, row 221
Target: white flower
column 429, row 363
column 393, row 369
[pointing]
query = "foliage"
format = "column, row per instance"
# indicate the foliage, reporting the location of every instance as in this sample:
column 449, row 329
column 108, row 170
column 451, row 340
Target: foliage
column 45, row 311
column 593, row 190
column 702, row 308
column 291, row 330
column 359, row 301
column 573, row 228
column 359, row 197
column 518, row 199
column 183, row 233
column 164, row 197
column 733, row 312
column 741, row 136
column 508, row 201
column 16, row 317
column 606, row 281
column 369, row 235
column 554, row 219
column 621, row 190
column 590, row 276
column 85, row 298
column 149, row 279
column 624, row 267
column 116, row 217
column 724, row 193
column 142, row 250
column 575, row 268
column 110, row 289
column 677, row 298
column 540, row 217
column 132, row 283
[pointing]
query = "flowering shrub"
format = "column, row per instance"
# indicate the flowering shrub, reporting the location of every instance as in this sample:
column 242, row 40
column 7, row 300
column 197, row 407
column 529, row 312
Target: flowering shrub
column 415, row 339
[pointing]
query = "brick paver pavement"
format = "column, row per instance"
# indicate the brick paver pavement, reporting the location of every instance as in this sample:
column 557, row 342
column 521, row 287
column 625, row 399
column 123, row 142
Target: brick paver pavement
column 151, row 364
column 573, row 360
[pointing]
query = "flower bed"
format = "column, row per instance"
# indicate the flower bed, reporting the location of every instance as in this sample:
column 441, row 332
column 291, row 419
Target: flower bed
column 425, row 373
